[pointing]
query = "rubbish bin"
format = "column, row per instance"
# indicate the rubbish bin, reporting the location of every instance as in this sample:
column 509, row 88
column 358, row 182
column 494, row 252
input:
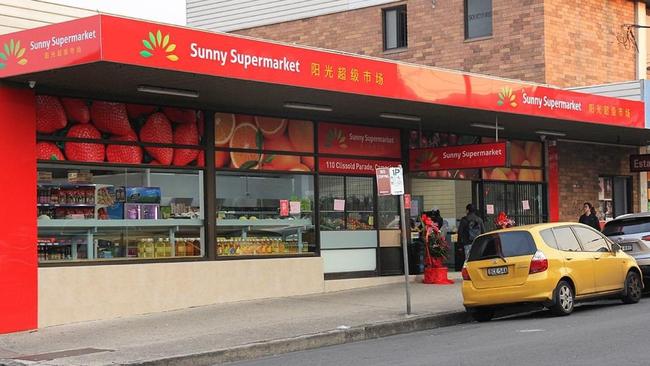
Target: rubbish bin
column 459, row 256
column 416, row 257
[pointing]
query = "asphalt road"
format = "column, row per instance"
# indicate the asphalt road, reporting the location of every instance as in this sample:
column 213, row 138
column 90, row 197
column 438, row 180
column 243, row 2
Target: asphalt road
column 600, row 333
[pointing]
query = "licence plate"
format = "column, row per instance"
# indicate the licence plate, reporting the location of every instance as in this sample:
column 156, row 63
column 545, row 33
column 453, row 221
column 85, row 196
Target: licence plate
column 626, row 247
column 497, row 271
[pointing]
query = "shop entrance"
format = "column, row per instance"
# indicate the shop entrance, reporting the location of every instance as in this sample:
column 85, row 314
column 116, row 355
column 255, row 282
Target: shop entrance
column 523, row 202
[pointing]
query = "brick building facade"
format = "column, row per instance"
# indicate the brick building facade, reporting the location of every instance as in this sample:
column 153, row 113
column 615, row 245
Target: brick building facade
column 545, row 41
column 580, row 165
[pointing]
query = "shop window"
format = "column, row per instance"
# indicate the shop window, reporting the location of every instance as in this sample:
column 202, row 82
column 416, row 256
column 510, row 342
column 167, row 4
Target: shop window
column 614, row 197
column 118, row 180
column 264, row 214
column 388, row 210
column 478, row 18
column 395, row 28
column 102, row 213
column 346, row 203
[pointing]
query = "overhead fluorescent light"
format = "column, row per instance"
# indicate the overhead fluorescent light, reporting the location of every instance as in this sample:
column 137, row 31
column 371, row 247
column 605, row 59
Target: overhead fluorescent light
column 550, row 133
column 486, row 126
column 404, row 117
column 308, row 107
column 168, row 91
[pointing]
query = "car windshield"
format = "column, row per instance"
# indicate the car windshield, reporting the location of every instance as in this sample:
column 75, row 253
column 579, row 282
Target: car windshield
column 502, row 245
column 627, row 226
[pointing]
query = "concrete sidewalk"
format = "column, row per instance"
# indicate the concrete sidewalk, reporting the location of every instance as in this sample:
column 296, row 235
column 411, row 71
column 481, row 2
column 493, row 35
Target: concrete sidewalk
column 237, row 331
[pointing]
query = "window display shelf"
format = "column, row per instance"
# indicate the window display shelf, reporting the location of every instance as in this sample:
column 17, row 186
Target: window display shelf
column 66, row 205
column 90, row 223
column 269, row 223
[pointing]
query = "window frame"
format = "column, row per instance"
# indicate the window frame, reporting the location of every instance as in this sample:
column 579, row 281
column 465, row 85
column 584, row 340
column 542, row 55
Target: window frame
column 400, row 36
column 466, row 23
column 574, row 236
column 582, row 244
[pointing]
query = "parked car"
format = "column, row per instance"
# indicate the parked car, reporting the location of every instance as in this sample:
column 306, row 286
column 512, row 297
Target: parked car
column 632, row 233
column 553, row 264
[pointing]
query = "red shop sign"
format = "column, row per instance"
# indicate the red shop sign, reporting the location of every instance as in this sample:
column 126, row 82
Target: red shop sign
column 640, row 163
column 458, row 157
column 407, row 201
column 383, row 181
column 359, row 140
column 353, row 166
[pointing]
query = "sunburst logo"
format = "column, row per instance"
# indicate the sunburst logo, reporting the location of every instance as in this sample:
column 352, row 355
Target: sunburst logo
column 506, row 96
column 158, row 43
column 12, row 50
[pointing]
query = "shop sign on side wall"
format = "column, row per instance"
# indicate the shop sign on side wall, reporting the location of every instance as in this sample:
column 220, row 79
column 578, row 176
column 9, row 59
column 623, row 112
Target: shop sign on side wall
column 640, row 163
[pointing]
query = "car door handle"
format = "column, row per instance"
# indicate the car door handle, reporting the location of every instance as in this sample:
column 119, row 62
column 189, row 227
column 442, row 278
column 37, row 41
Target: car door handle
column 597, row 258
column 569, row 259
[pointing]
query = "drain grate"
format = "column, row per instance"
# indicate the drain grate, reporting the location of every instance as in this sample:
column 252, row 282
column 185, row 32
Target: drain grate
column 61, row 354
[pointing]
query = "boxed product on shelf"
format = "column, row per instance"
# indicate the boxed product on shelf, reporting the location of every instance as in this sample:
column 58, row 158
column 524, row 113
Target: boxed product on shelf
column 44, row 177
column 80, row 177
column 140, row 211
column 115, row 211
column 143, row 194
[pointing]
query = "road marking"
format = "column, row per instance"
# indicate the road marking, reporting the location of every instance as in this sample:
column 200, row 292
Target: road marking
column 531, row 330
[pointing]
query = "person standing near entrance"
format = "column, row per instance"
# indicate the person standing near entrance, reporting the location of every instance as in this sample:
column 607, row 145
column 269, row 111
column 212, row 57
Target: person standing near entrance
column 589, row 217
column 471, row 226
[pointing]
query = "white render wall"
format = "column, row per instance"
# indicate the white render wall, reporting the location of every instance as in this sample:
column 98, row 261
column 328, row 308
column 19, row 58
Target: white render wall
column 17, row 15
column 230, row 15
column 84, row 293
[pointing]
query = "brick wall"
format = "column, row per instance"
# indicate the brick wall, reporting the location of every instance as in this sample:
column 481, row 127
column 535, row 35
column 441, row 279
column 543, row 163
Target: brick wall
column 581, row 45
column 559, row 42
column 580, row 165
column 435, row 36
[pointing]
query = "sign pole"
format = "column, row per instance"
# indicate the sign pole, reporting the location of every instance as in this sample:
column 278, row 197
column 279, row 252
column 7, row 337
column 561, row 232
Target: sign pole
column 405, row 250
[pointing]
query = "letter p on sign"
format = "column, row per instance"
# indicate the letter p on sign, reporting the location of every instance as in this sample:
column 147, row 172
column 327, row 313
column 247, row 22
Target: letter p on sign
column 396, row 181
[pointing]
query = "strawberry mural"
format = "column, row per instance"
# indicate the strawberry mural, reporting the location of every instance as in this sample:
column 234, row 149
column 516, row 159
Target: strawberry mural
column 76, row 110
column 126, row 154
column 138, row 110
column 158, row 129
column 48, row 151
column 178, row 115
column 185, row 134
column 84, row 151
column 111, row 117
column 50, row 115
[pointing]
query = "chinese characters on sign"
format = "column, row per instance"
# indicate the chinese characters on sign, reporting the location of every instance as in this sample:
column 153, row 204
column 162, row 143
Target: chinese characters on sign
column 343, row 73
column 607, row 110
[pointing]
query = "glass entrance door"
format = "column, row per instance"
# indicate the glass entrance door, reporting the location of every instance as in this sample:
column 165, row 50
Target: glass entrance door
column 522, row 202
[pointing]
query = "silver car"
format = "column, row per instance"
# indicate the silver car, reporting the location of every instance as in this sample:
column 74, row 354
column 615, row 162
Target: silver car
column 632, row 233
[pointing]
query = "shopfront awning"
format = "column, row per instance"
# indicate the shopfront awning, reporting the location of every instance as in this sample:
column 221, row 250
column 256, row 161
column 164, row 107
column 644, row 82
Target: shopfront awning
column 125, row 59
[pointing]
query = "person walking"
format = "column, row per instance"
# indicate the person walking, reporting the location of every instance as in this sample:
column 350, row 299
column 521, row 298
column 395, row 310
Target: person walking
column 589, row 217
column 471, row 226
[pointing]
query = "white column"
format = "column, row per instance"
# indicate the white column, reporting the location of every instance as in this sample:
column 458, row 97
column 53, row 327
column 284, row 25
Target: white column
column 642, row 40
column 643, row 185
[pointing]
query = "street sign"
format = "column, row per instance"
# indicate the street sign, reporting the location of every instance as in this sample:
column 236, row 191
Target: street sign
column 383, row 181
column 396, row 181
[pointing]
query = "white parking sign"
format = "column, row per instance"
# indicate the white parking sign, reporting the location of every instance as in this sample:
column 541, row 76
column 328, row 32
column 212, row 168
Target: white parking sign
column 396, row 181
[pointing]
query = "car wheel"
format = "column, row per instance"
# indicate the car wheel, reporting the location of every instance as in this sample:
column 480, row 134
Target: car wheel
column 482, row 314
column 632, row 293
column 563, row 300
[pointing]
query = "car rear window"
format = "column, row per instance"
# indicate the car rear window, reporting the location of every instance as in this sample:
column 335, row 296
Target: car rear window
column 506, row 244
column 627, row 226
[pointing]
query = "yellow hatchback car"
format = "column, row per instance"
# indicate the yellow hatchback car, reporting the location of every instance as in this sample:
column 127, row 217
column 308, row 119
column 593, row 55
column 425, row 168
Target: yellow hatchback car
column 552, row 264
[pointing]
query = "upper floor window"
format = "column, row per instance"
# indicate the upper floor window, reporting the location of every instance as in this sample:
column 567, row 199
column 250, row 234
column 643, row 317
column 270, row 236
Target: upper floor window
column 394, row 23
column 478, row 18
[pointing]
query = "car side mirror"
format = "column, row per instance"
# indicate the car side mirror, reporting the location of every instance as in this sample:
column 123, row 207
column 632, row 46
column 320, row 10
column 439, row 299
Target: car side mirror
column 616, row 247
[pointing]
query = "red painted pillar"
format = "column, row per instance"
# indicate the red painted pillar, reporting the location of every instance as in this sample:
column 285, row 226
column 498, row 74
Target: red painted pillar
column 553, row 179
column 18, row 257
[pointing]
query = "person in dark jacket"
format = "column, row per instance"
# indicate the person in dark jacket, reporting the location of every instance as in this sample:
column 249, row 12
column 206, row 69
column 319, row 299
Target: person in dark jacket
column 471, row 226
column 589, row 217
